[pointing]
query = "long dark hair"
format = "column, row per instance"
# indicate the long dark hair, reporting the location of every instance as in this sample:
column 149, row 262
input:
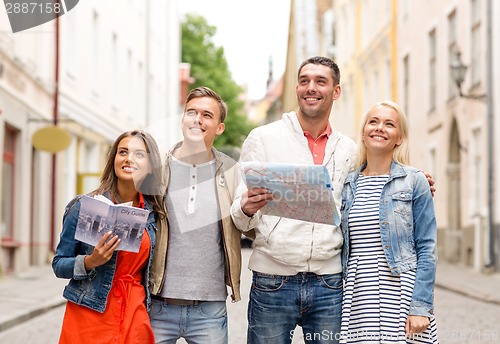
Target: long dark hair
column 152, row 186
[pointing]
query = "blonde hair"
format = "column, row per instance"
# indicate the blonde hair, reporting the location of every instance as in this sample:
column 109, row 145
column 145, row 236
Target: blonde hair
column 401, row 153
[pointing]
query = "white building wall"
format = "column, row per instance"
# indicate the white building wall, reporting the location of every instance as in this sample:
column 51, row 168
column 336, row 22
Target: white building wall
column 26, row 98
column 86, row 82
column 364, row 59
column 125, row 78
column 344, row 108
column 166, row 115
column 118, row 70
column 461, row 206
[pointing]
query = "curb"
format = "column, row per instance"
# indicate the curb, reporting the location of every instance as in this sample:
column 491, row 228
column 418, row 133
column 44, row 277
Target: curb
column 474, row 294
column 18, row 319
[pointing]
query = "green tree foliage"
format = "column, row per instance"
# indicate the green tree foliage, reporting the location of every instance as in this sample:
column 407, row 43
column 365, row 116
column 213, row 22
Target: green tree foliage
column 209, row 68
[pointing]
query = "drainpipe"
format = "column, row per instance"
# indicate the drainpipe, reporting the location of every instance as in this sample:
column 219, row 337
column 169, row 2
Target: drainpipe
column 147, row 66
column 54, row 156
column 490, row 264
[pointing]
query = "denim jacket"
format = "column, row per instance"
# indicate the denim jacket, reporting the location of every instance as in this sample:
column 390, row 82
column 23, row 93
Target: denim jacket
column 91, row 289
column 407, row 228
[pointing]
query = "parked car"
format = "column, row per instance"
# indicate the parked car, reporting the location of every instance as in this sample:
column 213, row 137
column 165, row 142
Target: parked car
column 246, row 242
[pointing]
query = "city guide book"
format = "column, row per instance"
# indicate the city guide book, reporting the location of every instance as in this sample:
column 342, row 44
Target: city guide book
column 300, row 191
column 98, row 215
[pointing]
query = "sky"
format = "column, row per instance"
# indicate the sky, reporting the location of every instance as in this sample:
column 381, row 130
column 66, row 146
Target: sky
column 250, row 32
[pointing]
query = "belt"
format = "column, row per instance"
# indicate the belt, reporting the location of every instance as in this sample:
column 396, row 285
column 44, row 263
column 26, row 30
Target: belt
column 176, row 302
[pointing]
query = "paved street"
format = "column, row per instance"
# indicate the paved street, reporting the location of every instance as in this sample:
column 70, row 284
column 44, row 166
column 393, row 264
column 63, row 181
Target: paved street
column 460, row 320
column 464, row 320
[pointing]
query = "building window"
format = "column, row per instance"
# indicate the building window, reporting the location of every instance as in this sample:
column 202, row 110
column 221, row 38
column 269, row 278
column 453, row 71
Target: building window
column 351, row 108
column 367, row 98
column 452, row 47
column 96, row 51
column 476, row 171
column 365, row 23
column 130, row 84
column 406, row 84
column 388, row 80
column 88, row 177
column 405, row 8
column 139, row 92
column 114, row 69
column 433, row 163
column 432, row 70
column 70, row 45
column 475, row 42
column 387, row 11
column 7, row 225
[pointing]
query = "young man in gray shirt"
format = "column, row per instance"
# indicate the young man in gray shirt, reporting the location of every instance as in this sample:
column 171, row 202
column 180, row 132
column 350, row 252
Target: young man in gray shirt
column 198, row 251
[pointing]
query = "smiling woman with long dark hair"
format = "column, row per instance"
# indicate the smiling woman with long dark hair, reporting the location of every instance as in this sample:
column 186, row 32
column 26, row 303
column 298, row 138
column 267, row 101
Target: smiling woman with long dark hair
column 107, row 293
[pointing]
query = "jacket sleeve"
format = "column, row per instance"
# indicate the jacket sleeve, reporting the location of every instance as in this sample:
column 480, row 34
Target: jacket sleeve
column 252, row 150
column 68, row 261
column 424, row 233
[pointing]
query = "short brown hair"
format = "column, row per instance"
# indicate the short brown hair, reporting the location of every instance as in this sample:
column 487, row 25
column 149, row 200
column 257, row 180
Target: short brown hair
column 203, row 91
column 324, row 61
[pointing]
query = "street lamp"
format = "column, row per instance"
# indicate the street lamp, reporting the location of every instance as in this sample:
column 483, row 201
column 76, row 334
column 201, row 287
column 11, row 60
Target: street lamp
column 458, row 70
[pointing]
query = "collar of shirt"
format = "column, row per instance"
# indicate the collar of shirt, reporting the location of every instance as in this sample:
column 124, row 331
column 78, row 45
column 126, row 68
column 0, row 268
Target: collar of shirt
column 317, row 146
column 141, row 201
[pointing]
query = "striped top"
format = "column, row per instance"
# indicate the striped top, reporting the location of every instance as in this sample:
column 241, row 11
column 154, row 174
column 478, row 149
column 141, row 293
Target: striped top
column 376, row 303
column 364, row 216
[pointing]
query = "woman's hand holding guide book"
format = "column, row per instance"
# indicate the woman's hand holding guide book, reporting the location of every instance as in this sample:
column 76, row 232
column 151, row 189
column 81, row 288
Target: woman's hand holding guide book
column 103, row 251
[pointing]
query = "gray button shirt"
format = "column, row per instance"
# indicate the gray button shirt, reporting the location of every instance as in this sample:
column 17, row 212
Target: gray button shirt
column 195, row 256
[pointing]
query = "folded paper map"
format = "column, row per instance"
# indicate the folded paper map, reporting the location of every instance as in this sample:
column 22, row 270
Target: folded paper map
column 301, row 192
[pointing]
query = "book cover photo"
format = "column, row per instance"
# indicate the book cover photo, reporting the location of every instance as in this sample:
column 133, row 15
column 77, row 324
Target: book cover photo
column 98, row 215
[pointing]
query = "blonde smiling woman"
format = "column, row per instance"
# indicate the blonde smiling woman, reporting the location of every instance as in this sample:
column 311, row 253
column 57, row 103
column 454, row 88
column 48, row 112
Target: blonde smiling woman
column 389, row 227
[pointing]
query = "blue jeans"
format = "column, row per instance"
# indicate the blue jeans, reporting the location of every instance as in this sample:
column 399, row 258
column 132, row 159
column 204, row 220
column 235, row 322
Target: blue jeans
column 205, row 323
column 278, row 303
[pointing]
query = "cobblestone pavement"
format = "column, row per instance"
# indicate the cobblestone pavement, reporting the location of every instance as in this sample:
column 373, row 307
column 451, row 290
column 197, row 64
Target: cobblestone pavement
column 460, row 320
column 43, row 329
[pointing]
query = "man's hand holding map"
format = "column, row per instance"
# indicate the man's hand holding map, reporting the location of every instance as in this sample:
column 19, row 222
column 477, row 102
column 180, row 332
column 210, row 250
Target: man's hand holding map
column 301, row 192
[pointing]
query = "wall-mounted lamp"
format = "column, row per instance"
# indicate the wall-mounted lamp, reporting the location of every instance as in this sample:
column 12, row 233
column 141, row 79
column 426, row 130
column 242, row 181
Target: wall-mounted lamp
column 458, row 70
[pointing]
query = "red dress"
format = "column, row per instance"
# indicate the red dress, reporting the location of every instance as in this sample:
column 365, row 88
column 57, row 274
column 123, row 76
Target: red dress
column 125, row 319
